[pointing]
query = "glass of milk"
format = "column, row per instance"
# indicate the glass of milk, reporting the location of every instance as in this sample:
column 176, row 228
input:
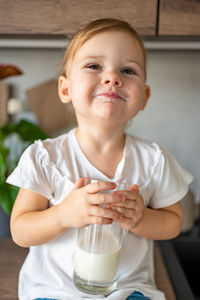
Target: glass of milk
column 97, row 255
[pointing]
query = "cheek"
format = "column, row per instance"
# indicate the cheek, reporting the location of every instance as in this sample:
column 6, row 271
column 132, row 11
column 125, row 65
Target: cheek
column 136, row 102
column 76, row 89
column 136, row 92
column 79, row 96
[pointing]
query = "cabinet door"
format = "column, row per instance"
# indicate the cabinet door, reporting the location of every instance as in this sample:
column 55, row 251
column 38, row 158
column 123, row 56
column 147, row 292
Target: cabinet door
column 63, row 17
column 4, row 93
column 179, row 17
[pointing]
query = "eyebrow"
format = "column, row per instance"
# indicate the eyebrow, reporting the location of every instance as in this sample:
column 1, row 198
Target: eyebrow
column 102, row 56
column 134, row 61
column 92, row 56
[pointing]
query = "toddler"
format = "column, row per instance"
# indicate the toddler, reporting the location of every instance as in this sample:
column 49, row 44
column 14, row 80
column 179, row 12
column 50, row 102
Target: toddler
column 104, row 76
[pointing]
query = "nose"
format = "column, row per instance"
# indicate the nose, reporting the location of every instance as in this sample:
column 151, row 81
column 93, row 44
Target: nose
column 111, row 79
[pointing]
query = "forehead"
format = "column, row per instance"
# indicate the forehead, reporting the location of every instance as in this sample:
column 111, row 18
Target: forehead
column 121, row 42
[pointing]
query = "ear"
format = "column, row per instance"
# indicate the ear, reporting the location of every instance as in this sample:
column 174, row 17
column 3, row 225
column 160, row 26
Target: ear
column 147, row 94
column 63, row 89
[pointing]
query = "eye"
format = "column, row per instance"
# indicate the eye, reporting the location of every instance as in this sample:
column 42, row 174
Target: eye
column 128, row 71
column 94, row 66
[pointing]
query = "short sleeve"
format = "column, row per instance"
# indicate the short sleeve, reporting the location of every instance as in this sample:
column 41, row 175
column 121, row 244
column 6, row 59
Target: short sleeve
column 171, row 181
column 30, row 172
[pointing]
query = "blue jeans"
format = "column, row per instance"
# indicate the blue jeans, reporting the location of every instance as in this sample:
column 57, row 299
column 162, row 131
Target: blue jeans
column 137, row 296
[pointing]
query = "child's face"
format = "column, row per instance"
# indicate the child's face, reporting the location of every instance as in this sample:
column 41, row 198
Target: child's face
column 106, row 79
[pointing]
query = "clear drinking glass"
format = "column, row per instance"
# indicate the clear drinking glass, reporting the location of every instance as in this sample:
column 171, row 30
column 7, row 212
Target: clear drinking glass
column 97, row 255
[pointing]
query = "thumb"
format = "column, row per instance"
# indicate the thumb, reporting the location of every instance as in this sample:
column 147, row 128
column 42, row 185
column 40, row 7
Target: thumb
column 81, row 182
column 134, row 188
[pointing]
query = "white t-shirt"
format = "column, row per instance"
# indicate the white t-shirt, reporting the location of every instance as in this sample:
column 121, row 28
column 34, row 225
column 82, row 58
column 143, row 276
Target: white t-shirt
column 51, row 168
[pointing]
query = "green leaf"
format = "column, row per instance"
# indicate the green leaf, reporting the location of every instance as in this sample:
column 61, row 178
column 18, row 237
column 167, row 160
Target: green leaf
column 7, row 129
column 2, row 167
column 29, row 132
column 8, row 194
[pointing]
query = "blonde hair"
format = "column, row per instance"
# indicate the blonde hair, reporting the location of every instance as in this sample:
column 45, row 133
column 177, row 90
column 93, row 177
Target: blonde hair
column 92, row 28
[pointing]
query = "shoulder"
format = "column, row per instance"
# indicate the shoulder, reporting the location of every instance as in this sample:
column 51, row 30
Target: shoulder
column 144, row 150
column 143, row 144
column 51, row 144
column 51, row 147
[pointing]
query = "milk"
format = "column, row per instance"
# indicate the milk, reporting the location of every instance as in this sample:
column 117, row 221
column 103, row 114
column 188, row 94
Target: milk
column 99, row 265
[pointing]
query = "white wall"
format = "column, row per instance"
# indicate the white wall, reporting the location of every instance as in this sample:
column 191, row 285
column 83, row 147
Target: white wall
column 172, row 115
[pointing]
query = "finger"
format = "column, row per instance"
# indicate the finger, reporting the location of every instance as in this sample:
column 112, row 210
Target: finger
column 80, row 183
column 100, row 186
column 135, row 188
column 105, row 198
column 128, row 194
column 99, row 211
column 126, row 212
column 126, row 204
column 100, row 220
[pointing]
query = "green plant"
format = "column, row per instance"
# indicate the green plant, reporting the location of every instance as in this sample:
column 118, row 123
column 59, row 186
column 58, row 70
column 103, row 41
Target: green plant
column 14, row 138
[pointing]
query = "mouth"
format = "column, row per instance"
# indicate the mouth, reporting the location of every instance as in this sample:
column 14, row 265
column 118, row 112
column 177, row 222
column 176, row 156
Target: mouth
column 111, row 96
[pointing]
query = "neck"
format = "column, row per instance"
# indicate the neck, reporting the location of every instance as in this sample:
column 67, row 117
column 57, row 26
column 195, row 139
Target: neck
column 102, row 145
column 102, row 138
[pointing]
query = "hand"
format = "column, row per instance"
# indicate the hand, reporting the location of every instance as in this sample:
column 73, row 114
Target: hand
column 132, row 208
column 83, row 205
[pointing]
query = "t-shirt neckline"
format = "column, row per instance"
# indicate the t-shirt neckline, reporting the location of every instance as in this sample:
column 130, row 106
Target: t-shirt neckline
column 119, row 170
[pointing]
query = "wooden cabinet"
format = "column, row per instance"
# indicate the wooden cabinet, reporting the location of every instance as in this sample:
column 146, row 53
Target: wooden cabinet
column 179, row 18
column 151, row 18
column 63, row 17
column 4, row 93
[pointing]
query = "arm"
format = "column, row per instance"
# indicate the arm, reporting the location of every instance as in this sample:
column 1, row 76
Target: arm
column 34, row 223
column 160, row 224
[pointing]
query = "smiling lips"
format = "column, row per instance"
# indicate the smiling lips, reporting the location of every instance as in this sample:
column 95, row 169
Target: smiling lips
column 110, row 96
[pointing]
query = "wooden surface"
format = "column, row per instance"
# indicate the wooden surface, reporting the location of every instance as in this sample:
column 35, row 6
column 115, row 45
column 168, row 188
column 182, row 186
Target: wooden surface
column 179, row 17
column 4, row 90
column 12, row 257
column 65, row 16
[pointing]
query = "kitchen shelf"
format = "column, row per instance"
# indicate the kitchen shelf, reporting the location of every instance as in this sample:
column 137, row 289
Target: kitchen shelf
column 61, row 44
